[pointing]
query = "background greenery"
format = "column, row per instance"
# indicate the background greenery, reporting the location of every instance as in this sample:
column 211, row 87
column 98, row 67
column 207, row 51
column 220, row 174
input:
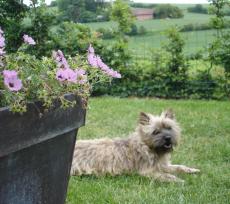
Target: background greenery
column 135, row 48
column 205, row 145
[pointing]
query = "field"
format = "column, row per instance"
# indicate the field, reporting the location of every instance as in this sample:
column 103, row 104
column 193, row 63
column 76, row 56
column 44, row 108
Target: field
column 205, row 145
column 140, row 45
column 158, row 25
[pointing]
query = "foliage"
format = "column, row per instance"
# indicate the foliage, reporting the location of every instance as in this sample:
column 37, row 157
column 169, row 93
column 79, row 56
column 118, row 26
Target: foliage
column 142, row 5
column 219, row 49
column 82, row 10
column 166, row 76
column 107, row 33
column 154, row 81
column 217, row 8
column 73, row 38
column 177, row 64
column 198, row 8
column 167, row 11
column 195, row 27
column 12, row 13
column 112, row 33
column 116, row 54
column 122, row 14
column 41, row 21
column 25, row 78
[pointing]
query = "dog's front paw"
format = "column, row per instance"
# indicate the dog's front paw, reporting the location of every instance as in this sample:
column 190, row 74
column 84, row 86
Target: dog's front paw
column 190, row 170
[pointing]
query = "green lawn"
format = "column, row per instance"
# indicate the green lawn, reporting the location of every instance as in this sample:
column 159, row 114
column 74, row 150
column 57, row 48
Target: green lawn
column 205, row 145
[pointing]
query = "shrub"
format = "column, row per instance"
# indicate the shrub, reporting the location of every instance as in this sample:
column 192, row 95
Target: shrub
column 73, row 38
column 198, row 9
column 106, row 33
column 167, row 11
column 142, row 30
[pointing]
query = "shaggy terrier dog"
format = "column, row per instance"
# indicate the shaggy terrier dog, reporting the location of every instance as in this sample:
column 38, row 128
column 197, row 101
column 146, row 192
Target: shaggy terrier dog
column 146, row 151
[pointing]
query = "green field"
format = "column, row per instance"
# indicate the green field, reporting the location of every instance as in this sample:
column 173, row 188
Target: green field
column 194, row 41
column 140, row 45
column 205, row 145
column 157, row 25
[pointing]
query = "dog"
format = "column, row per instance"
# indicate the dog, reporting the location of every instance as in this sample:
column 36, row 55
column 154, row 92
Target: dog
column 145, row 152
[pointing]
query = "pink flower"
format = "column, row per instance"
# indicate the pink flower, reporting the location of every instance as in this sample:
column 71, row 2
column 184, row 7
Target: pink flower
column 2, row 41
column 95, row 61
column 116, row 74
column 81, row 76
column 11, row 80
column 66, row 75
column 28, row 40
column 60, row 59
column 92, row 60
column 91, row 49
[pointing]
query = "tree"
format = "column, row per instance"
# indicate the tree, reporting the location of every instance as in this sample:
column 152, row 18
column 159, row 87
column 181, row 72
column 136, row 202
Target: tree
column 12, row 13
column 219, row 49
column 176, row 75
column 168, row 11
column 121, row 13
column 72, row 9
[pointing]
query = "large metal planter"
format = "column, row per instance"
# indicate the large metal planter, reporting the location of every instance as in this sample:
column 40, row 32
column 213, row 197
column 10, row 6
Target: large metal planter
column 36, row 153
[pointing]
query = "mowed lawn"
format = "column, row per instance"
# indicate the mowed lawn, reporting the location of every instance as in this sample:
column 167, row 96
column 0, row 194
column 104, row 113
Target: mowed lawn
column 205, row 144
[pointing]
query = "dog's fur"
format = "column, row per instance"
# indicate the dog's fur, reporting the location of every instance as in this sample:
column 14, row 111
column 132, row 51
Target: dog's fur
column 146, row 151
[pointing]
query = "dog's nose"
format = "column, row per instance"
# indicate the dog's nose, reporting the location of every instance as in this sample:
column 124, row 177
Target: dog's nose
column 168, row 138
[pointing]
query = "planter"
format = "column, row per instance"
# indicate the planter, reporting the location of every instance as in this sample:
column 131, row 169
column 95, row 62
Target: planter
column 36, row 153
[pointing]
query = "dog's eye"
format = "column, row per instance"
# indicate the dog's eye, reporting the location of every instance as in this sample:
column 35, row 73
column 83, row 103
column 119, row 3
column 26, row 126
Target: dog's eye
column 155, row 132
column 169, row 128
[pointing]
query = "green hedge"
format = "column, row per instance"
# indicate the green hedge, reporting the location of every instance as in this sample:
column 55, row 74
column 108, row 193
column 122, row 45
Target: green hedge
column 141, row 81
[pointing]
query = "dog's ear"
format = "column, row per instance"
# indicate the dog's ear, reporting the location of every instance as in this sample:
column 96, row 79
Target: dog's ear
column 168, row 114
column 144, row 118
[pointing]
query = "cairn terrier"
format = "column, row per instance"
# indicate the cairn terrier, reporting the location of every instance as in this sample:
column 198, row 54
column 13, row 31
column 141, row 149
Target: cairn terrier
column 146, row 151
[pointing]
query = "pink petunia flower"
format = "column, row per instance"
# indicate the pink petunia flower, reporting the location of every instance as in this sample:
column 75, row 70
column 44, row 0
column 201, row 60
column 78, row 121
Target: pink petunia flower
column 66, row 75
column 96, row 61
column 116, row 74
column 60, row 60
column 11, row 80
column 92, row 60
column 91, row 49
column 2, row 41
column 28, row 40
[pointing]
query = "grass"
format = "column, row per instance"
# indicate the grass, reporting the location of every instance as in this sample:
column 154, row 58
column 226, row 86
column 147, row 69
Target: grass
column 140, row 45
column 158, row 25
column 205, row 145
column 194, row 41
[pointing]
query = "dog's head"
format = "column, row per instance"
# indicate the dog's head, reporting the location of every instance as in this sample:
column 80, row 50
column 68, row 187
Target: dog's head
column 160, row 133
